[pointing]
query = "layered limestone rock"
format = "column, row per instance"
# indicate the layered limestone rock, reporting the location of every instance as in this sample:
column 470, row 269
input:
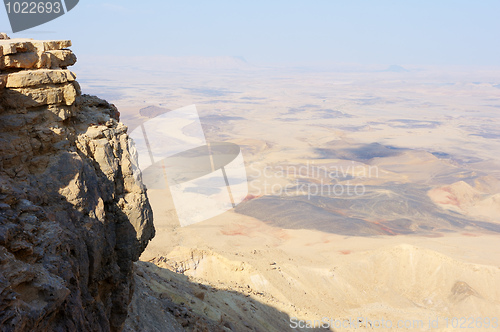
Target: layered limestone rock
column 72, row 217
column 29, row 54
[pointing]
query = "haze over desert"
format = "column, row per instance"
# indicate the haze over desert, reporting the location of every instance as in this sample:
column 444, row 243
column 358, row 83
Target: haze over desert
column 372, row 193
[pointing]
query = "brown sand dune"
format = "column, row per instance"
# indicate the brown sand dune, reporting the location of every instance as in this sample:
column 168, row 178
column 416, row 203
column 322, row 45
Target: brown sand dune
column 467, row 200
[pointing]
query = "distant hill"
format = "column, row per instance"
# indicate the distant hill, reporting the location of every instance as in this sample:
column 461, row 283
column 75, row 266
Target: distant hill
column 396, row 69
column 218, row 62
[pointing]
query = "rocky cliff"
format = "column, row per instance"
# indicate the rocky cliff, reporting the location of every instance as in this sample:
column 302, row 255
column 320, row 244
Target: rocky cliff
column 72, row 217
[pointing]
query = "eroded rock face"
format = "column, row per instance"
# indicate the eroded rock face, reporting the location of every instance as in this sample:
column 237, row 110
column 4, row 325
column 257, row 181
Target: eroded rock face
column 72, row 217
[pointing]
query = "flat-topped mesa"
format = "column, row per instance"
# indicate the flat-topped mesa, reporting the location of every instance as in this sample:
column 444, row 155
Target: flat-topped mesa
column 72, row 217
column 34, row 73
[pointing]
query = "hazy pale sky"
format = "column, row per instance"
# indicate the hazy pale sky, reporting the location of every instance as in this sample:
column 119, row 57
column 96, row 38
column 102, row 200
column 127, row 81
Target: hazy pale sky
column 285, row 31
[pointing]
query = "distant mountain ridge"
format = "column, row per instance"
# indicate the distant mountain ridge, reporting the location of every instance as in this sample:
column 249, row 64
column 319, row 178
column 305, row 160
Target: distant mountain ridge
column 158, row 62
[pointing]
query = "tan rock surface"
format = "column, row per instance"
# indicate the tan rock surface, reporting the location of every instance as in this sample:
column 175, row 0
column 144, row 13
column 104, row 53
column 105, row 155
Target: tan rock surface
column 28, row 78
column 28, row 53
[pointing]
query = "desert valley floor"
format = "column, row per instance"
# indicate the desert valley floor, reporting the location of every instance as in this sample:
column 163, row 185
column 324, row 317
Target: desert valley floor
column 416, row 243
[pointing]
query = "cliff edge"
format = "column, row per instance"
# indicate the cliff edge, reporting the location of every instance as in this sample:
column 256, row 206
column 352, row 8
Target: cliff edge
column 72, row 218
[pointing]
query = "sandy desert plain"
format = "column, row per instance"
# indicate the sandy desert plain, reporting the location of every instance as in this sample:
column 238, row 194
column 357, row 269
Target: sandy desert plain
column 416, row 246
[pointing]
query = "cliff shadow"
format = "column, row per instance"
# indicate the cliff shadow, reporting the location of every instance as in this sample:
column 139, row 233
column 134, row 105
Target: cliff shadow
column 168, row 301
